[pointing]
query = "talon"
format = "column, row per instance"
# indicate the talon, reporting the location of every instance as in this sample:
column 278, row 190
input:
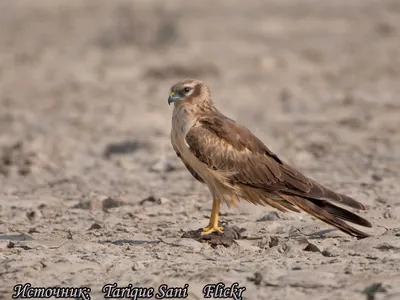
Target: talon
column 210, row 229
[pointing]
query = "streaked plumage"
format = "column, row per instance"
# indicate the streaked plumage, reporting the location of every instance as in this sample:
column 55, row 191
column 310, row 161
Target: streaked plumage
column 235, row 164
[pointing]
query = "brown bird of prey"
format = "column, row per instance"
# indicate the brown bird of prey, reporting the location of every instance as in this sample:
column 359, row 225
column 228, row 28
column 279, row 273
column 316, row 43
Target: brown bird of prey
column 235, row 164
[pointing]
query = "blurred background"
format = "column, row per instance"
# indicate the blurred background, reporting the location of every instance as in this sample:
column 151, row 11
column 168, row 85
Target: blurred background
column 84, row 114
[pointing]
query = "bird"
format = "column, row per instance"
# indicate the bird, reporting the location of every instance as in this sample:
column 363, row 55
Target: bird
column 236, row 165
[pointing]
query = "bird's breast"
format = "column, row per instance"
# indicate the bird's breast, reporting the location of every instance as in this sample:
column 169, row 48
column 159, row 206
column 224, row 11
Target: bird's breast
column 182, row 122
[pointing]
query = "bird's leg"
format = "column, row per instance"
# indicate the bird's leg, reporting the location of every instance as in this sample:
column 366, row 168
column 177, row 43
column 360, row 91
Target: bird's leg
column 213, row 224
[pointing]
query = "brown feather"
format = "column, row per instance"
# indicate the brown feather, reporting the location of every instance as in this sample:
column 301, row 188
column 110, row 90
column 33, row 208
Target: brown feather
column 190, row 169
column 261, row 197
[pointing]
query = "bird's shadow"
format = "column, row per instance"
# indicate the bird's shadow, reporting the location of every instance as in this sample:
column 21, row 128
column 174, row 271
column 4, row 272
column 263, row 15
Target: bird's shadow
column 15, row 237
column 321, row 234
column 130, row 242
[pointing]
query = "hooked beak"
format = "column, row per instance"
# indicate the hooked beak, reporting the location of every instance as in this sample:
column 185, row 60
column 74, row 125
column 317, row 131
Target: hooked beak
column 172, row 97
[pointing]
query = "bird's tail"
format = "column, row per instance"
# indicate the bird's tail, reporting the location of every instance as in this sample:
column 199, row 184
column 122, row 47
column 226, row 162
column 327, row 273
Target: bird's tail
column 329, row 213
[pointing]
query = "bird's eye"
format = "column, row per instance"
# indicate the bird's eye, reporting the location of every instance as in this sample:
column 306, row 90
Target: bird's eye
column 186, row 90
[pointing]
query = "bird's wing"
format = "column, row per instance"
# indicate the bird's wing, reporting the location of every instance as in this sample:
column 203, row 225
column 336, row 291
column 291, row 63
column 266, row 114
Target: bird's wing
column 188, row 167
column 226, row 146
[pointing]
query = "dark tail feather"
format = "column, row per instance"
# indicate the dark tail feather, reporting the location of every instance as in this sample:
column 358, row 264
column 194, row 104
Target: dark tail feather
column 343, row 199
column 330, row 214
column 320, row 192
column 341, row 213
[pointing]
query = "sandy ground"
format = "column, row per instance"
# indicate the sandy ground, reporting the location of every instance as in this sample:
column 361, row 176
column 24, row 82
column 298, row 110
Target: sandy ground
column 92, row 193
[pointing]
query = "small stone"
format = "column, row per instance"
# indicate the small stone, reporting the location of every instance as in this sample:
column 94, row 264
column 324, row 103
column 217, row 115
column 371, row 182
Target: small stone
column 256, row 279
column 24, row 170
column 348, row 270
column 331, row 252
column 268, row 242
column 273, row 242
column 311, row 248
column 109, row 202
column 151, row 199
column 33, row 215
column 284, row 247
column 42, row 206
column 163, row 200
column 129, row 215
column 154, row 199
column 389, row 214
column 95, row 226
column 138, row 266
column 376, row 177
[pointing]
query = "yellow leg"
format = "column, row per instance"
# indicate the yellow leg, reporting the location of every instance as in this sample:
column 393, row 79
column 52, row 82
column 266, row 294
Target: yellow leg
column 213, row 224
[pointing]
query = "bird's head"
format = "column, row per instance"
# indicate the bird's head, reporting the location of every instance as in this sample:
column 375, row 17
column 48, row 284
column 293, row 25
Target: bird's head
column 188, row 90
